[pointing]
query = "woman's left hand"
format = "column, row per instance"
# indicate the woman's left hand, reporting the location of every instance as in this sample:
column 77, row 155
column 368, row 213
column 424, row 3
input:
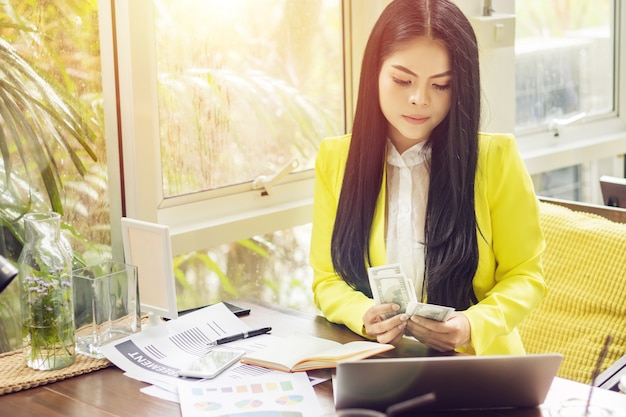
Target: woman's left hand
column 440, row 335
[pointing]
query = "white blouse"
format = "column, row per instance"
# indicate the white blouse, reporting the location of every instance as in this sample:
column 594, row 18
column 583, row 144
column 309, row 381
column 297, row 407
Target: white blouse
column 407, row 195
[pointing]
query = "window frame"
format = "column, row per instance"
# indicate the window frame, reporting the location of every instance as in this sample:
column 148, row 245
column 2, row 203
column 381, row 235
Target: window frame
column 203, row 219
column 207, row 219
column 590, row 140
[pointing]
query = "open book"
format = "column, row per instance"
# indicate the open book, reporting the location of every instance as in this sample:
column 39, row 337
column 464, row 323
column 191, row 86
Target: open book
column 303, row 353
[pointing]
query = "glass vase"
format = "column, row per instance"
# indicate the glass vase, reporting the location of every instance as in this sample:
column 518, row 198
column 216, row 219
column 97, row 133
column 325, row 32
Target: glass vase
column 45, row 278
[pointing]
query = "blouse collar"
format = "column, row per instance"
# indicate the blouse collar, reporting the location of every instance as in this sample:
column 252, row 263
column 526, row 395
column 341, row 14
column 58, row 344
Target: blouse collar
column 415, row 155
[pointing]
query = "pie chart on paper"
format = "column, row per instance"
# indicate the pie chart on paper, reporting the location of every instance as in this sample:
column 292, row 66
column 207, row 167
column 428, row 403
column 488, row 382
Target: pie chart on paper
column 248, row 404
column 207, row 406
column 289, row 399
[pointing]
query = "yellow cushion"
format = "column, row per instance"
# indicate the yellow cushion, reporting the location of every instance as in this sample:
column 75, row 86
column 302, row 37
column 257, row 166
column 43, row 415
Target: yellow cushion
column 585, row 270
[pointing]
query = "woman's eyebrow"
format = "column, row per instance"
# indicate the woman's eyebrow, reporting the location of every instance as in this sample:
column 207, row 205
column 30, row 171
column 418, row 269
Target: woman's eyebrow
column 408, row 71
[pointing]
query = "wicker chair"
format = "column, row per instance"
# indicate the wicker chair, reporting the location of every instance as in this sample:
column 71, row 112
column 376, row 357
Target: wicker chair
column 585, row 270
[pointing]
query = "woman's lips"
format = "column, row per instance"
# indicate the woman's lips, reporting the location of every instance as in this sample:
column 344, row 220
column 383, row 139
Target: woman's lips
column 415, row 120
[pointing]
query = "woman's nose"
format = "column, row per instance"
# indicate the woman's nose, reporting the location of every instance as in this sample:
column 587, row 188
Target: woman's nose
column 419, row 97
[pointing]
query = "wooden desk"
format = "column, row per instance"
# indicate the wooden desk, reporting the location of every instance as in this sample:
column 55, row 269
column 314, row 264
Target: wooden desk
column 108, row 393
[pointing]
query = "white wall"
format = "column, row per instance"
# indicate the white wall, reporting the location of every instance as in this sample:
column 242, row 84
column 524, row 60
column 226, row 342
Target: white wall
column 496, row 36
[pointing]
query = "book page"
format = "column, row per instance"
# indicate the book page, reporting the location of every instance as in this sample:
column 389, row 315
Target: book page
column 291, row 350
column 349, row 350
column 298, row 349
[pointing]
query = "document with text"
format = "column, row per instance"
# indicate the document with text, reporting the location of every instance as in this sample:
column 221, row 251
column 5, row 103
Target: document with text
column 156, row 354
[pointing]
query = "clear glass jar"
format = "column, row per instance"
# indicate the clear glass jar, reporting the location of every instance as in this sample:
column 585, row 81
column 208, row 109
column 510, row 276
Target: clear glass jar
column 45, row 277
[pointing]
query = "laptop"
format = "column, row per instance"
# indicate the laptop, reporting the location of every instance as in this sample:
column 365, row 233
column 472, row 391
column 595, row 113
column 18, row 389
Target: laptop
column 458, row 382
column 613, row 191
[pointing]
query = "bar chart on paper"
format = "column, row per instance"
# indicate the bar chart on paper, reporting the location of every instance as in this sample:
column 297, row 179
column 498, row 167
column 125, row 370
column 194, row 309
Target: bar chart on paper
column 159, row 352
column 272, row 395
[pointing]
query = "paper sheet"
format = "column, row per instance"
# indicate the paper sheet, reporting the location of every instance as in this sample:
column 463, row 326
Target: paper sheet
column 276, row 394
column 155, row 354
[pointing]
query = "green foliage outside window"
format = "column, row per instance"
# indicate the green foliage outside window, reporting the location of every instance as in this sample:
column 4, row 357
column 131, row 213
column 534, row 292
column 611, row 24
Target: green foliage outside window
column 51, row 139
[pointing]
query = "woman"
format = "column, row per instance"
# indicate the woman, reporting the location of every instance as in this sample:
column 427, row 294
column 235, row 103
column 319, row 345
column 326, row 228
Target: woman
column 416, row 184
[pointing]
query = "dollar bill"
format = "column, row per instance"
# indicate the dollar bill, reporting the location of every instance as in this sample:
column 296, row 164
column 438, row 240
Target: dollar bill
column 389, row 284
column 429, row 311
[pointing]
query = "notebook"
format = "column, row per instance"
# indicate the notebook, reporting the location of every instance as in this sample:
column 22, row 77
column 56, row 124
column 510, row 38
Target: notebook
column 458, row 382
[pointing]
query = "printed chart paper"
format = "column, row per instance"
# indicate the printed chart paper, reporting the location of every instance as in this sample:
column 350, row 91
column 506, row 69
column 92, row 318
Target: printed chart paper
column 157, row 353
column 273, row 395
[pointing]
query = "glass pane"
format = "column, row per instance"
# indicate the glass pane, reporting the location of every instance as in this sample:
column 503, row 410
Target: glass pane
column 244, row 87
column 564, row 60
column 273, row 268
column 564, row 183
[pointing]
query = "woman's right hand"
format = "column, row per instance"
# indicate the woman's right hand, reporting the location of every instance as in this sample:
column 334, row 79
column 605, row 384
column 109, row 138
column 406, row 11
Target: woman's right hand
column 385, row 330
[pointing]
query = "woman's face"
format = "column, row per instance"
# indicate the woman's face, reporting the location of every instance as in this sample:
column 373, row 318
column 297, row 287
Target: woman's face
column 414, row 91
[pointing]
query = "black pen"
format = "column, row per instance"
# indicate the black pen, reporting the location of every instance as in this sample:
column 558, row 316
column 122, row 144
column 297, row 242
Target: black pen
column 244, row 335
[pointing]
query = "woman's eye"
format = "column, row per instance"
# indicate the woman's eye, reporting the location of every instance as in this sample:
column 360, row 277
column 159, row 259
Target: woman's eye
column 441, row 87
column 400, row 82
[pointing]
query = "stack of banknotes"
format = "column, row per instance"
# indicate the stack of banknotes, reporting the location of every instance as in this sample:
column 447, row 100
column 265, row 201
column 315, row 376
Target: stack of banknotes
column 390, row 285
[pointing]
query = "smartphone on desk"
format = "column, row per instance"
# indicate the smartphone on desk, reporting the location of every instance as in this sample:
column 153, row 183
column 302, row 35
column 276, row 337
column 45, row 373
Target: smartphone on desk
column 212, row 363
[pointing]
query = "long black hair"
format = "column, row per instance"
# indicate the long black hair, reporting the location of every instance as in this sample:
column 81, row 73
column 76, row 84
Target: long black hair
column 450, row 229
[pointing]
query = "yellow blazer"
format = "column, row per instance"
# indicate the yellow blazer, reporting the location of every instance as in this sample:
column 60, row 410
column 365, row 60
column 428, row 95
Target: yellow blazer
column 509, row 280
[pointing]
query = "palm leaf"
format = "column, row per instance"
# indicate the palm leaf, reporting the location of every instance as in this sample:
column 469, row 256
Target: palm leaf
column 42, row 123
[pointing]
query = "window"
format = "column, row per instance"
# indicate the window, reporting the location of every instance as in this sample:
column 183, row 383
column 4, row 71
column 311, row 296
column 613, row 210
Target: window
column 244, row 87
column 215, row 98
column 564, row 61
column 214, row 95
column 564, row 183
column 568, row 120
